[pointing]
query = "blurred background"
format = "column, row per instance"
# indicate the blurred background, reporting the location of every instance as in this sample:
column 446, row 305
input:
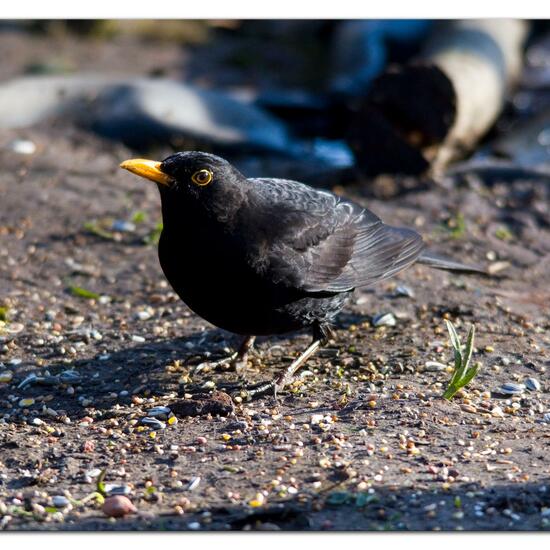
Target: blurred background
column 330, row 102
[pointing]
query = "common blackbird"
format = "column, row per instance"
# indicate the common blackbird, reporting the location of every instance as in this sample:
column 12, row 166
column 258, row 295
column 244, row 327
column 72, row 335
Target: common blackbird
column 261, row 256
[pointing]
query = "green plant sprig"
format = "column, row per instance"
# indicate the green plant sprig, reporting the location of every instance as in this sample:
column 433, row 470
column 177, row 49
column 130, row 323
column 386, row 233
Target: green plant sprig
column 463, row 373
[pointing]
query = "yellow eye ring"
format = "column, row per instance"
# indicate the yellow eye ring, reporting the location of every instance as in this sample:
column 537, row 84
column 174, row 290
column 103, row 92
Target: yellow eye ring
column 202, row 177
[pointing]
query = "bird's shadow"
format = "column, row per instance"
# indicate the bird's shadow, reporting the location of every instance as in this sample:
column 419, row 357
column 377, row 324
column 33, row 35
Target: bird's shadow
column 161, row 368
column 158, row 368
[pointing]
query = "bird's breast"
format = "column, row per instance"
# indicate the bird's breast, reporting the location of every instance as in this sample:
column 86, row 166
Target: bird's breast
column 215, row 278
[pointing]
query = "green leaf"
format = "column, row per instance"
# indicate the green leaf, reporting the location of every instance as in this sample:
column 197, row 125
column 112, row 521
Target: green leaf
column 98, row 231
column 450, row 392
column 462, row 373
column 457, row 226
column 139, row 216
column 470, row 374
column 4, row 314
column 83, row 293
column 100, row 483
column 469, row 346
column 455, row 340
column 154, row 237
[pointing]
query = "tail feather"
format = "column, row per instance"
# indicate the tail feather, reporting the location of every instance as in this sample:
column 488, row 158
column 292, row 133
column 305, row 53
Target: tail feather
column 438, row 261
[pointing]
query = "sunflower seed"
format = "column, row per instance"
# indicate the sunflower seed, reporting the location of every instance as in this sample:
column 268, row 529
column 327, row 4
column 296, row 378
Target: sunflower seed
column 194, row 483
column 112, row 489
column 159, row 412
column 510, row 388
column 532, row 384
column 403, row 290
column 69, row 376
column 153, row 423
column 384, row 319
column 123, row 226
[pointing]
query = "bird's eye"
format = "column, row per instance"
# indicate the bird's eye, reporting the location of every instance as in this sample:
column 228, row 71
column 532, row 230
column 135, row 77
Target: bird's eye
column 202, row 177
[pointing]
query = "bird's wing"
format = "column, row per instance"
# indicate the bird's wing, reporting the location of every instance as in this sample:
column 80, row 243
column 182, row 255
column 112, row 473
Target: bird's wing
column 321, row 243
column 376, row 251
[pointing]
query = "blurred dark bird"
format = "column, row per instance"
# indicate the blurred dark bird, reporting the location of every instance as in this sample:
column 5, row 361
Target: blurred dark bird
column 261, row 256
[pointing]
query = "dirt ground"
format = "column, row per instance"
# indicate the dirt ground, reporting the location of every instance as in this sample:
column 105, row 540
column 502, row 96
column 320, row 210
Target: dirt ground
column 361, row 441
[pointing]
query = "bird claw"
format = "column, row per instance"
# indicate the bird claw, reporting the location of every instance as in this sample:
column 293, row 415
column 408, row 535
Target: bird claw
column 66, row 377
column 259, row 390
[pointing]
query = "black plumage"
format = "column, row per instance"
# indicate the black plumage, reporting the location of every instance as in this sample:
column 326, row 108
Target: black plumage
column 263, row 256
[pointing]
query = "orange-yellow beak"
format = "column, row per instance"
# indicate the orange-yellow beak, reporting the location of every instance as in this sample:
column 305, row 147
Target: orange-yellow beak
column 148, row 169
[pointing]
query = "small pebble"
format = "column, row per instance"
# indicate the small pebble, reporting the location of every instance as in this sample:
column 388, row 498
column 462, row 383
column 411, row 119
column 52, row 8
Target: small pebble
column 59, row 501
column 384, row 319
column 22, row 146
column 6, row 376
column 434, row 366
column 26, row 402
column 143, row 315
column 123, row 226
column 14, row 328
column 136, row 338
column 194, row 526
column 118, row 506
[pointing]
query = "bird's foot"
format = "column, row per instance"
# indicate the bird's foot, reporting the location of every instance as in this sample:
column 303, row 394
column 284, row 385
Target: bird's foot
column 237, row 361
column 273, row 387
column 256, row 391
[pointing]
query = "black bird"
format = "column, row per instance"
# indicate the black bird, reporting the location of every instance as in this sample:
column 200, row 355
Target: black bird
column 261, row 256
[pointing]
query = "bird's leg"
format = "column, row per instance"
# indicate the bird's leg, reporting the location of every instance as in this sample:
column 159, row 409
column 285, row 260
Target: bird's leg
column 288, row 374
column 321, row 335
column 240, row 358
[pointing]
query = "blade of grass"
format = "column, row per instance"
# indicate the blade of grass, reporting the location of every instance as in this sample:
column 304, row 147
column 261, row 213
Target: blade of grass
column 83, row 293
column 98, row 231
column 469, row 346
column 4, row 314
column 100, row 483
column 154, row 236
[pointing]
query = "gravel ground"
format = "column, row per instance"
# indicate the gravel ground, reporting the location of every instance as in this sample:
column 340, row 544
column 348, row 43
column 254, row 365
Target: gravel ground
column 361, row 441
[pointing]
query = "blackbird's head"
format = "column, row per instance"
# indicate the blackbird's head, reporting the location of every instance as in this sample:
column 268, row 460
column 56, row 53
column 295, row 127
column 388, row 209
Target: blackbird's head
column 193, row 179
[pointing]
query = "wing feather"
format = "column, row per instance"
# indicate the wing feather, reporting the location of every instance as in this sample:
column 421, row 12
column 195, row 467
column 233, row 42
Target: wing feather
column 318, row 242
